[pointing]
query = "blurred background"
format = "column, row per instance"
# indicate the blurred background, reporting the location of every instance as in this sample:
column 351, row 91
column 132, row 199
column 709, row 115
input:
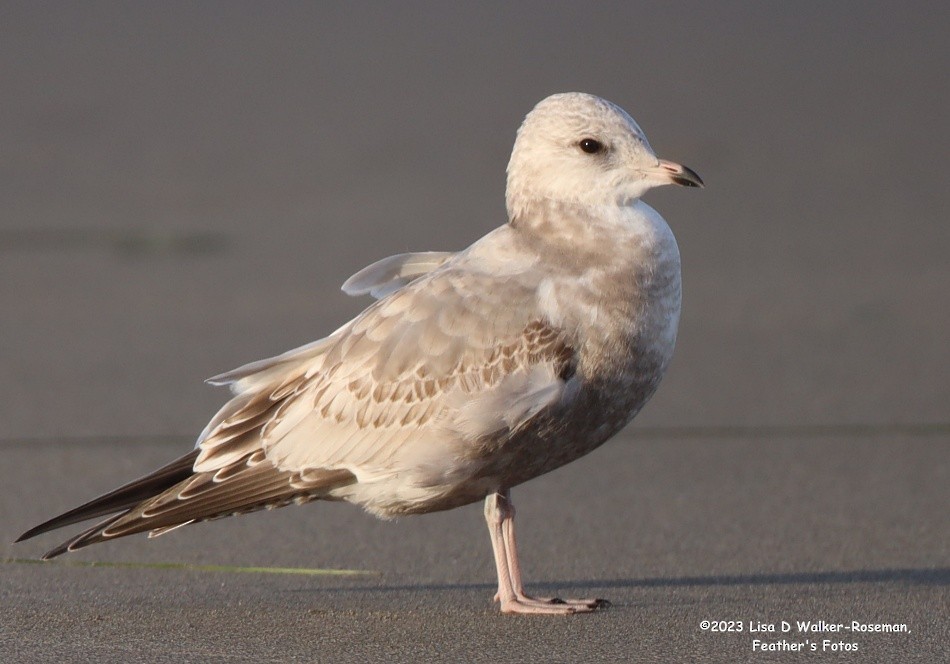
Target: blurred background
column 186, row 185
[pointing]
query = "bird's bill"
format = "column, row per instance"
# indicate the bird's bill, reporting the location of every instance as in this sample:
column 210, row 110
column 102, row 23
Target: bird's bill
column 679, row 174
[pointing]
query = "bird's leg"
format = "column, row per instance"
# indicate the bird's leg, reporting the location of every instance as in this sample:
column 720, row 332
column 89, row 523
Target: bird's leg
column 514, row 568
column 500, row 513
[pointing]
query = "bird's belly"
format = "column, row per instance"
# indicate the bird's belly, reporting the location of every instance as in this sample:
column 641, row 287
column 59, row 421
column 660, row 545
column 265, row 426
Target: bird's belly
column 597, row 410
column 618, row 372
column 596, row 415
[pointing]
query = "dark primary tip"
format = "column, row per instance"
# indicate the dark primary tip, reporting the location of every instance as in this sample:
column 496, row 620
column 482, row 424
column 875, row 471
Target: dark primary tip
column 32, row 532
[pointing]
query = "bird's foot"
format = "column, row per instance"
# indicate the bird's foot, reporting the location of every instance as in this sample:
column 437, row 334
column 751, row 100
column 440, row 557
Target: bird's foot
column 550, row 605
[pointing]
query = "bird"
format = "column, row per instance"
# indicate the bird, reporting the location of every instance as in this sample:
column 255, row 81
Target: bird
column 471, row 373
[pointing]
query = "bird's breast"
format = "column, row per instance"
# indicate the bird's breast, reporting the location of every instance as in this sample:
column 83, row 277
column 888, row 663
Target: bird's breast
column 623, row 312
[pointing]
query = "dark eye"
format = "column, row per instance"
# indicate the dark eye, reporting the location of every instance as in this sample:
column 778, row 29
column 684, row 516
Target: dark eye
column 591, row 146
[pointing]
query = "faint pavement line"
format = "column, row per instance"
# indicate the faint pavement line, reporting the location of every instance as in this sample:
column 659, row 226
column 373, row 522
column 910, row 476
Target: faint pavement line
column 123, row 241
column 925, row 429
column 305, row 571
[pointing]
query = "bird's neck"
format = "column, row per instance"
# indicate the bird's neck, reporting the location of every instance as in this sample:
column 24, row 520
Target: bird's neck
column 614, row 271
column 592, row 232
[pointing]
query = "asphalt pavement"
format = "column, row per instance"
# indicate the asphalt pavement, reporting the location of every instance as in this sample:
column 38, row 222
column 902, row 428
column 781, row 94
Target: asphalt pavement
column 185, row 186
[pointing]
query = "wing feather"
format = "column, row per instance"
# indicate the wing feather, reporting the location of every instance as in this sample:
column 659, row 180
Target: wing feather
column 249, row 485
column 407, row 387
column 428, row 366
column 388, row 275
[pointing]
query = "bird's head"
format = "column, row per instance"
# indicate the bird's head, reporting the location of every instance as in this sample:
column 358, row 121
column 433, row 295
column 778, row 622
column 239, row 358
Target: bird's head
column 580, row 149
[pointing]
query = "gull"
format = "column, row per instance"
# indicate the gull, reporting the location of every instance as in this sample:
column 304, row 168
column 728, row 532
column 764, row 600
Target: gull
column 470, row 374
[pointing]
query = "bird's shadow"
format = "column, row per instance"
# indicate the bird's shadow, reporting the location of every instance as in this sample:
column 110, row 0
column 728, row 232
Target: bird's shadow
column 938, row 576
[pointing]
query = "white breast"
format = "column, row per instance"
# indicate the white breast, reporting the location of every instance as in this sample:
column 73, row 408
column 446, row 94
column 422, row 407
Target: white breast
column 627, row 296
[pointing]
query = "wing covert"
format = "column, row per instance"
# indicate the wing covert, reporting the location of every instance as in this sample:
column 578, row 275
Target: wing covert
column 427, row 366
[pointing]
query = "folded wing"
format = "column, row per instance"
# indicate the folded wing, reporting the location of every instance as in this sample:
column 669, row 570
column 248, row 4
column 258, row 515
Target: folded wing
column 404, row 388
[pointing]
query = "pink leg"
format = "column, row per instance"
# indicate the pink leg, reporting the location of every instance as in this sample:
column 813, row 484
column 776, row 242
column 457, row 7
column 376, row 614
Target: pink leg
column 500, row 513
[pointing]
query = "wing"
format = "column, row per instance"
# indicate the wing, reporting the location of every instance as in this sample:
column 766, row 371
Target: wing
column 453, row 357
column 404, row 390
column 390, row 274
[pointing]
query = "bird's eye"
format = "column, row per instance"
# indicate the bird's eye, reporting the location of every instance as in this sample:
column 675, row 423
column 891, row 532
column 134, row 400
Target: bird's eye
column 591, row 146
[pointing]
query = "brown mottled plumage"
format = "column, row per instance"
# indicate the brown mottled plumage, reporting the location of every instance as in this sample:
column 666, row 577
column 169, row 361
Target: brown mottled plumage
column 472, row 373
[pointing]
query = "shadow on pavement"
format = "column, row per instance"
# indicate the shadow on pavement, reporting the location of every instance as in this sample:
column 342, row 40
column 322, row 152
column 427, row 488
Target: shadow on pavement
column 939, row 576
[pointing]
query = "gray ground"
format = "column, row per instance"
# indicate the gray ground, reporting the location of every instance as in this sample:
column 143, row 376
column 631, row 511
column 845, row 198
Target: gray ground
column 185, row 187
